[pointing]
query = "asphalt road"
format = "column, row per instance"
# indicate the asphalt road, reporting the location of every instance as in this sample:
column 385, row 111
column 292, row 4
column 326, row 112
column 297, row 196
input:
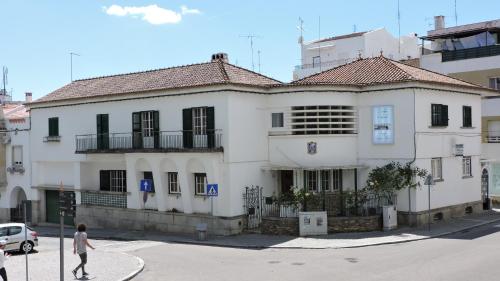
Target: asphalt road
column 470, row 255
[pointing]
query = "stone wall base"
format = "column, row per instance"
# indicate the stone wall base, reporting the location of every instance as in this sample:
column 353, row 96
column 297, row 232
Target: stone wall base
column 132, row 219
column 280, row 226
column 439, row 214
column 290, row 226
column 354, row 224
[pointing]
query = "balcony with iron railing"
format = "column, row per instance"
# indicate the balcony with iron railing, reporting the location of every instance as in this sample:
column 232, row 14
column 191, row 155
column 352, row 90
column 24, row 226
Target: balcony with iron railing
column 470, row 53
column 489, row 138
column 324, row 65
column 160, row 141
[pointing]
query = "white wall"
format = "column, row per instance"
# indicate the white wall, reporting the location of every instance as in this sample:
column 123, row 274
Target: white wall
column 433, row 62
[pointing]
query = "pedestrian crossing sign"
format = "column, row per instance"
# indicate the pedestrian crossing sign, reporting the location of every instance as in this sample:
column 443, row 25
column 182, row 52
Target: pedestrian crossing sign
column 212, row 189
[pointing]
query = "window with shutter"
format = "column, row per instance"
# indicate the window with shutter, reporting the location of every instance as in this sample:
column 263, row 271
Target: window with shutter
column 54, row 127
column 439, row 115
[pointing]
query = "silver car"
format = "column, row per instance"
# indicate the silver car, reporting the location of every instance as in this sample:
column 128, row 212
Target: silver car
column 13, row 233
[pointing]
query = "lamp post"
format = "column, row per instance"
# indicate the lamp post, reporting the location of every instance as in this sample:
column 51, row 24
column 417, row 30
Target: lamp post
column 429, row 181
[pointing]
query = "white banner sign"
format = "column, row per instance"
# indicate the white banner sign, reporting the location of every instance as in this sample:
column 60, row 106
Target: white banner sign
column 383, row 124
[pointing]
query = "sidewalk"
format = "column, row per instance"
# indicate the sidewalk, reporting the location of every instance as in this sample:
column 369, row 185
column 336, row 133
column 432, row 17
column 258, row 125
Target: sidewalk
column 104, row 264
column 332, row 241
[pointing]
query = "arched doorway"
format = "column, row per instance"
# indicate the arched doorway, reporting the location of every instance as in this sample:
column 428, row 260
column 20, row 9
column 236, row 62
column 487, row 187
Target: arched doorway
column 485, row 189
column 17, row 196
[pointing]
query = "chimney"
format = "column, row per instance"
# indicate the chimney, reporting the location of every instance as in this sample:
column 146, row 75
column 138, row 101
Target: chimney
column 220, row 56
column 438, row 22
column 28, row 97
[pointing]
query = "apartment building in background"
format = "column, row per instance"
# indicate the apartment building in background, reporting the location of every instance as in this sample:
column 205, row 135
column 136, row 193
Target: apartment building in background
column 471, row 53
column 326, row 53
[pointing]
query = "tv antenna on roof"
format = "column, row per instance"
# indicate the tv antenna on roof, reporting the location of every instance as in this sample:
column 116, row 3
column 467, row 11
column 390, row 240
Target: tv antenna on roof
column 258, row 59
column 5, row 71
column 71, row 54
column 251, row 37
column 456, row 15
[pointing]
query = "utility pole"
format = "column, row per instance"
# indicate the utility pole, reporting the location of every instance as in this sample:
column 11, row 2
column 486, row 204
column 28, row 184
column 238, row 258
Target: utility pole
column 71, row 54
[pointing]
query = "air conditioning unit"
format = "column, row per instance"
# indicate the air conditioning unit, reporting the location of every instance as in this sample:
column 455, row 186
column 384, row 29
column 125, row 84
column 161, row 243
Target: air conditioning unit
column 458, row 150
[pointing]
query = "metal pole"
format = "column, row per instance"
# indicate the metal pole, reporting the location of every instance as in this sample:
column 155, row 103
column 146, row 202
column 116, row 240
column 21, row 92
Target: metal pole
column 61, row 234
column 26, row 236
column 429, row 209
column 61, row 246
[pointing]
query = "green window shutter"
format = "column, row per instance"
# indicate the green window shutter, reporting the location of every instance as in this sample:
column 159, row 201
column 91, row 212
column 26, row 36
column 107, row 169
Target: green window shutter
column 156, row 128
column 444, row 115
column 187, row 127
column 104, row 180
column 136, row 130
column 211, row 126
column 54, row 126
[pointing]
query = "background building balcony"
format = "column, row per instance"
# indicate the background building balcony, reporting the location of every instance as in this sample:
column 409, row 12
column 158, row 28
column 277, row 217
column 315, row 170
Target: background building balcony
column 161, row 141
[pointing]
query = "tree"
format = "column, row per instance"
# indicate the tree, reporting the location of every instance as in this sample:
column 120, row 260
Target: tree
column 386, row 180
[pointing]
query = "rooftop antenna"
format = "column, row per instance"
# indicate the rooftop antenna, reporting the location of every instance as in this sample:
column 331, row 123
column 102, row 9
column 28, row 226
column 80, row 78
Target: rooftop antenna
column 300, row 27
column 5, row 72
column 319, row 41
column 399, row 30
column 71, row 54
column 251, row 37
column 354, row 28
column 456, row 15
column 258, row 59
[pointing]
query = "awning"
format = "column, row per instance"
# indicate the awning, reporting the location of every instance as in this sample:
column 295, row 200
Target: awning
column 335, row 167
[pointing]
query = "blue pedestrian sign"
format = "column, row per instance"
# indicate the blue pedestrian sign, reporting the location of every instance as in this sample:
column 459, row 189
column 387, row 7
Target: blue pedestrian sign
column 212, row 189
column 146, row 185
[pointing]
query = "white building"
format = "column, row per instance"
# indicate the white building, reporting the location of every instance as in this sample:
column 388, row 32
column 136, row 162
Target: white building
column 471, row 53
column 18, row 163
column 327, row 53
column 215, row 123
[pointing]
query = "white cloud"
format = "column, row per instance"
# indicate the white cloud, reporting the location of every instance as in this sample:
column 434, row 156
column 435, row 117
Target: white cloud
column 185, row 11
column 152, row 13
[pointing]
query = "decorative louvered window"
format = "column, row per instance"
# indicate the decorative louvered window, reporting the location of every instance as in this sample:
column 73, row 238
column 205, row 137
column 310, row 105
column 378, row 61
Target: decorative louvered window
column 323, row 119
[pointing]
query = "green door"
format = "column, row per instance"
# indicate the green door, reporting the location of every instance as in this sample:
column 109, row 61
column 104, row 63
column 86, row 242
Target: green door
column 52, row 208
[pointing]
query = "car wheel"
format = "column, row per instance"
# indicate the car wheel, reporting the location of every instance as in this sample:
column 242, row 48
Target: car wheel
column 26, row 247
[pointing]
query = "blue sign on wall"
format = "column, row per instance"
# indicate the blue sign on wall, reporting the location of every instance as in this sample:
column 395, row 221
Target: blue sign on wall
column 212, row 189
column 146, row 185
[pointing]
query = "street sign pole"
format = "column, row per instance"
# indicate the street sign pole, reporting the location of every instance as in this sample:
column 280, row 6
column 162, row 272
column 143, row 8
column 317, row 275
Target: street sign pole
column 26, row 236
column 429, row 181
column 61, row 234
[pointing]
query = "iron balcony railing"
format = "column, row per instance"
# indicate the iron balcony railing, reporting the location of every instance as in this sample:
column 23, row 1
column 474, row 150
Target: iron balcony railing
column 325, row 64
column 491, row 139
column 471, row 53
column 174, row 141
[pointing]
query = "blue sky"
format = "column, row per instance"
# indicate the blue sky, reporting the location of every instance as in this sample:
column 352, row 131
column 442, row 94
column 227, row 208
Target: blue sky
column 37, row 36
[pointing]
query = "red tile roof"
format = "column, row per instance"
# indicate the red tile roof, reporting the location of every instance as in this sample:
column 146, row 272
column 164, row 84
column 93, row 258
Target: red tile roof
column 202, row 74
column 14, row 111
column 378, row 70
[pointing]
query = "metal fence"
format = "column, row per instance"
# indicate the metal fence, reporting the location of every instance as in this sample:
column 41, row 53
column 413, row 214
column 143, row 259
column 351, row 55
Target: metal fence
column 107, row 199
column 334, row 203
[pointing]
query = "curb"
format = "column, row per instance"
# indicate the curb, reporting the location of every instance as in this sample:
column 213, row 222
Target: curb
column 136, row 272
column 215, row 244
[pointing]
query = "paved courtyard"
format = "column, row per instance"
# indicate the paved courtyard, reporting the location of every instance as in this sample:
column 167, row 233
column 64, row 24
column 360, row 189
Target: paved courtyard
column 107, row 263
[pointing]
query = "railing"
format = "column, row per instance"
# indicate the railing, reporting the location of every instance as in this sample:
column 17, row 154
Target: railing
column 104, row 198
column 345, row 203
column 492, row 139
column 471, row 53
column 211, row 140
column 325, row 65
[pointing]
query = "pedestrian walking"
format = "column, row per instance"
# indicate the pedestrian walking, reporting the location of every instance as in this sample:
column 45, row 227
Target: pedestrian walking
column 3, row 258
column 80, row 244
